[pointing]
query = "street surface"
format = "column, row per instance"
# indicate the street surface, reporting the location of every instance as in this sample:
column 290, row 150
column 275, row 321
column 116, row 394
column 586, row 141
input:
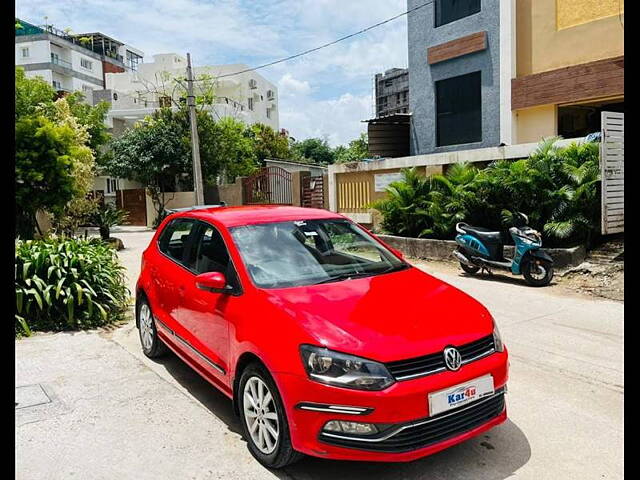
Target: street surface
column 101, row 410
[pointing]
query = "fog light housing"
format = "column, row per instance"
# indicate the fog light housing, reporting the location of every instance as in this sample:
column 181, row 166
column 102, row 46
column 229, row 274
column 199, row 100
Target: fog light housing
column 352, row 428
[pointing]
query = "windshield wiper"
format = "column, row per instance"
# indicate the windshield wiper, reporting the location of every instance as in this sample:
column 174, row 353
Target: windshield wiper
column 345, row 276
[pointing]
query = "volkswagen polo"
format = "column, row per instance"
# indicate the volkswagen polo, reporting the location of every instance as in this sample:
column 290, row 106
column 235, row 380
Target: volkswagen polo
column 325, row 339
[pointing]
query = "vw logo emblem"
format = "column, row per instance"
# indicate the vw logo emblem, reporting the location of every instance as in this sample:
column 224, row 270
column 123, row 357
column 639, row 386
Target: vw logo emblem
column 452, row 358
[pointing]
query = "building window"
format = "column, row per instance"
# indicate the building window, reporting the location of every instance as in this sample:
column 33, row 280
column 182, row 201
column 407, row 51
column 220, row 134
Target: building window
column 25, row 52
column 57, row 85
column 250, row 103
column 268, row 113
column 112, row 185
column 448, row 11
column 84, row 63
column 459, row 110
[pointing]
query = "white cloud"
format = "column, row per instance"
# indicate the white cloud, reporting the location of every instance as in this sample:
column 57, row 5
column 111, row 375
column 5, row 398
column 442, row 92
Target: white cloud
column 324, row 93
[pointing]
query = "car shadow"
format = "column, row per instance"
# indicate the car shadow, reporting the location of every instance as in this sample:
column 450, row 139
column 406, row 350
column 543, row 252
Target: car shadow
column 210, row 397
column 496, row 454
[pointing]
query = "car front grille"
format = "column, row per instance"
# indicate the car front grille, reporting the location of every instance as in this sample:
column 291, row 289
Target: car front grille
column 434, row 362
column 422, row 433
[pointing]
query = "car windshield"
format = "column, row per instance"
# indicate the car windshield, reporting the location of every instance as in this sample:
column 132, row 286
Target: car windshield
column 310, row 252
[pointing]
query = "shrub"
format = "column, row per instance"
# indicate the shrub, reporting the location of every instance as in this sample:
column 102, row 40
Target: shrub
column 558, row 188
column 66, row 284
column 107, row 216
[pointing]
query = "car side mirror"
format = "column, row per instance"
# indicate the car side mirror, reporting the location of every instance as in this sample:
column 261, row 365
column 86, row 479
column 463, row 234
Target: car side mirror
column 213, row 282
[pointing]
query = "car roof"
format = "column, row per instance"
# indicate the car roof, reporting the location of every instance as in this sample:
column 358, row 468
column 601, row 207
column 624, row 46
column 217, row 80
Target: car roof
column 254, row 214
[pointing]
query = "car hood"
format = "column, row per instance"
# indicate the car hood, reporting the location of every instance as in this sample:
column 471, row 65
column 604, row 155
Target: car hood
column 385, row 317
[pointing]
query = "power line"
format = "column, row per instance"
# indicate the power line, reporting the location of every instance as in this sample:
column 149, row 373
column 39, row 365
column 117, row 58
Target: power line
column 312, row 50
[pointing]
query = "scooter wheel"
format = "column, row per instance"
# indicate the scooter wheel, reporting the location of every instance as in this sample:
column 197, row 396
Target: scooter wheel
column 537, row 273
column 470, row 269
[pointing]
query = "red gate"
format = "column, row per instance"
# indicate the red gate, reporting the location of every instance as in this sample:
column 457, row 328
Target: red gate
column 270, row 185
column 313, row 192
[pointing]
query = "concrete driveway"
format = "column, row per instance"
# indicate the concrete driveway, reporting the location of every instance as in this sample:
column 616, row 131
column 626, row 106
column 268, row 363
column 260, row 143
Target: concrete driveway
column 92, row 406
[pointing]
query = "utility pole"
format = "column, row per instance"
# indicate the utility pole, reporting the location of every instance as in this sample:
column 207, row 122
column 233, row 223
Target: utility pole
column 195, row 142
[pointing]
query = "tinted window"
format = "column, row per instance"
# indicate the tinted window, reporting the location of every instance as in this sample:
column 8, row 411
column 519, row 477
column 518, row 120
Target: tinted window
column 175, row 239
column 458, row 110
column 448, row 11
column 211, row 252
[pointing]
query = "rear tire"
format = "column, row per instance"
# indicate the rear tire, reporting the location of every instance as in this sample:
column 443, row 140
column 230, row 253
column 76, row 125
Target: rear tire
column 537, row 273
column 264, row 412
column 151, row 344
column 470, row 269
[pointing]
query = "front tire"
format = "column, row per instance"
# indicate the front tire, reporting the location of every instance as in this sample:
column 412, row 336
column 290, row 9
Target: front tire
column 152, row 346
column 537, row 273
column 263, row 418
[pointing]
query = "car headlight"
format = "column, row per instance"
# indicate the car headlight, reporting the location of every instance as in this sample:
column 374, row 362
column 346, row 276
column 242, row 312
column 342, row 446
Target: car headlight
column 340, row 369
column 497, row 338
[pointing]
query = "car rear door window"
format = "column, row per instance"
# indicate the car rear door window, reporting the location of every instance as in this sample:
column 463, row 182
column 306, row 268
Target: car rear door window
column 175, row 240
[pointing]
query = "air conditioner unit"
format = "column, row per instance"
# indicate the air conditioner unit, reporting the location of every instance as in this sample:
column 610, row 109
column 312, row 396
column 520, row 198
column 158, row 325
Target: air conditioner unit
column 253, row 84
column 271, row 95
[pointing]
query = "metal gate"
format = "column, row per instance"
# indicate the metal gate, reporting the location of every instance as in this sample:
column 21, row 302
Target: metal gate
column 134, row 201
column 612, row 172
column 313, row 192
column 271, row 185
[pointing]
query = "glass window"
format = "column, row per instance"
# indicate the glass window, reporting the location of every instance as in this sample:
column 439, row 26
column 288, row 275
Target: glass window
column 288, row 254
column 174, row 241
column 211, row 253
column 84, row 63
column 459, row 110
column 448, row 11
column 25, row 52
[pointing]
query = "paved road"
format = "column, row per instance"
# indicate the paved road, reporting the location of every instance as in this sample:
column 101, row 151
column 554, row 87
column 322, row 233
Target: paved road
column 112, row 413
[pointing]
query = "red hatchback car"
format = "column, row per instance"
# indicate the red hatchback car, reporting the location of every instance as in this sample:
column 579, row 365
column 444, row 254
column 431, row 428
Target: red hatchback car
column 326, row 340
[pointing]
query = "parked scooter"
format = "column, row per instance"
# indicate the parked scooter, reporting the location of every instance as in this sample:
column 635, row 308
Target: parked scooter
column 482, row 249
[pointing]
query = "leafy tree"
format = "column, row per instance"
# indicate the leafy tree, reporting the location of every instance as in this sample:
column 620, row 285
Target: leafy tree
column 313, row 150
column 44, row 170
column 31, row 93
column 153, row 153
column 356, row 151
column 235, row 149
column 268, row 143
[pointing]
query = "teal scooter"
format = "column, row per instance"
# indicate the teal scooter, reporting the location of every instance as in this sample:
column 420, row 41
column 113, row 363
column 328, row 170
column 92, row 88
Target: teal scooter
column 482, row 249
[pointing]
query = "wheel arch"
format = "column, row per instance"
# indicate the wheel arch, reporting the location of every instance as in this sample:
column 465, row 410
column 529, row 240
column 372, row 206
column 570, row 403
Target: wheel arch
column 244, row 360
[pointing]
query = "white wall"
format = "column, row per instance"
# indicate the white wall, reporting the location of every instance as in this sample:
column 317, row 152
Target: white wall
column 235, row 88
column 39, row 52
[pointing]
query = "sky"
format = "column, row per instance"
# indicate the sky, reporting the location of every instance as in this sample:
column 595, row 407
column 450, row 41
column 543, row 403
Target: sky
column 324, row 94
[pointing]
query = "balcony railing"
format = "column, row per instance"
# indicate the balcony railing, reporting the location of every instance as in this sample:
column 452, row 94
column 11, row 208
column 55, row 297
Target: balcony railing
column 62, row 63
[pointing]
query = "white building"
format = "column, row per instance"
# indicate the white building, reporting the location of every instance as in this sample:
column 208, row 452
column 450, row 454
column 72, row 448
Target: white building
column 133, row 95
column 71, row 62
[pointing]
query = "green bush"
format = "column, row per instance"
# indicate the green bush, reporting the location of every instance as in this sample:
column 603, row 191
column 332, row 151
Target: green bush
column 558, row 188
column 67, row 284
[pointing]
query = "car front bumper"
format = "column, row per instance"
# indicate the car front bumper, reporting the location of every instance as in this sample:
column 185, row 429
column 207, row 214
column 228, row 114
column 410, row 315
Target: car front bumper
column 401, row 411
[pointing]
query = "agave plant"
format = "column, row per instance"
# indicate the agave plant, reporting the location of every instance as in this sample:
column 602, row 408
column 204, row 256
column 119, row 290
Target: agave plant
column 105, row 217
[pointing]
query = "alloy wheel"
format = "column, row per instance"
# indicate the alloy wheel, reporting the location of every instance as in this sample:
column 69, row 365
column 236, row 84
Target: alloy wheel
column 260, row 415
column 146, row 328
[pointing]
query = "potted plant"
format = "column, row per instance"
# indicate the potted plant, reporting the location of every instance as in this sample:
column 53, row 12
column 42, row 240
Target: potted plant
column 107, row 216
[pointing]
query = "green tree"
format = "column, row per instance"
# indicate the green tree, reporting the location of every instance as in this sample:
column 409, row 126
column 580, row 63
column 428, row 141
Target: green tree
column 356, row 151
column 31, row 93
column 235, row 149
column 44, row 170
column 268, row 143
column 153, row 153
column 313, row 150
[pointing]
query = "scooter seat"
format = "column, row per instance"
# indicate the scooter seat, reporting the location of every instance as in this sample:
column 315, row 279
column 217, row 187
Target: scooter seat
column 483, row 234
